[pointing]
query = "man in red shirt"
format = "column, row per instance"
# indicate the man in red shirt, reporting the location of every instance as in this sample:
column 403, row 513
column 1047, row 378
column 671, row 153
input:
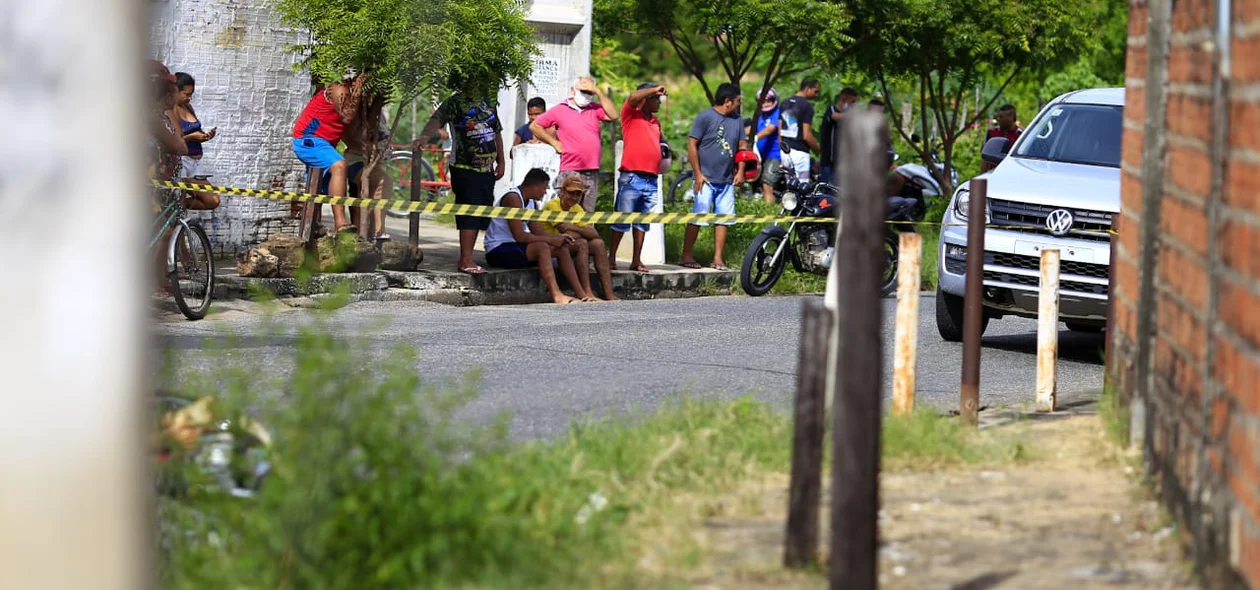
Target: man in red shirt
column 1007, row 126
column 641, row 158
column 576, row 135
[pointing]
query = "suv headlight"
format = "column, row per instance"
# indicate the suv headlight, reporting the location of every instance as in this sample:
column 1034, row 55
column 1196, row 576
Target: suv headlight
column 962, row 205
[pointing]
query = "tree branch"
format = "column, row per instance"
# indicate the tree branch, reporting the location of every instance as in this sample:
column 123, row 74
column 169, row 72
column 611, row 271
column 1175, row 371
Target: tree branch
column 993, row 99
column 893, row 108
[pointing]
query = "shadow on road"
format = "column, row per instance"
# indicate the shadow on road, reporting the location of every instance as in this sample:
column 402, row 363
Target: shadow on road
column 1073, row 346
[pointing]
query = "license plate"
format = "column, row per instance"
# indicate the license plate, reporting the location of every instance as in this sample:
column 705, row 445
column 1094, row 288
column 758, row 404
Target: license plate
column 1072, row 253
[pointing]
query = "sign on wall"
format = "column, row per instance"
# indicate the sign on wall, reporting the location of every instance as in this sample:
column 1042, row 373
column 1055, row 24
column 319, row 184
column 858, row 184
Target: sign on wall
column 547, row 76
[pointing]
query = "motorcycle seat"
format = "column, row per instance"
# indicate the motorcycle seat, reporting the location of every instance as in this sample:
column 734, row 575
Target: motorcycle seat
column 900, row 204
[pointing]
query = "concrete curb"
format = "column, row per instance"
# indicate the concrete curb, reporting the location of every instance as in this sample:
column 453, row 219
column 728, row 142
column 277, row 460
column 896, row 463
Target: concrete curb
column 496, row 287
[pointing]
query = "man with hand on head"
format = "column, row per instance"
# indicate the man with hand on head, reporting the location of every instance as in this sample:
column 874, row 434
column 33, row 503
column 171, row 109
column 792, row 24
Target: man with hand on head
column 576, row 135
column 640, row 166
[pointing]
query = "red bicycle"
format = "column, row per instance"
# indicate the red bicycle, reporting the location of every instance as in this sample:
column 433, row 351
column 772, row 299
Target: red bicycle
column 434, row 184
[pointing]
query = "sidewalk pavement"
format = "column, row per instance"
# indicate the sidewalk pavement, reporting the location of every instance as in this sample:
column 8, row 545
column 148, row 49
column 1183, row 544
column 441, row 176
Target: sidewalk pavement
column 438, row 279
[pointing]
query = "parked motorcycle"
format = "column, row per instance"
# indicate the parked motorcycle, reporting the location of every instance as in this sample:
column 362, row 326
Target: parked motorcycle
column 811, row 246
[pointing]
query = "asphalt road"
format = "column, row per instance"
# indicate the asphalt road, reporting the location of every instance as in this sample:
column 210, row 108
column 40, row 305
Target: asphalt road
column 548, row 365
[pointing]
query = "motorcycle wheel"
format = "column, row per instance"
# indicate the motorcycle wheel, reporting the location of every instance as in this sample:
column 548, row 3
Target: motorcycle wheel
column 682, row 190
column 756, row 275
column 891, row 246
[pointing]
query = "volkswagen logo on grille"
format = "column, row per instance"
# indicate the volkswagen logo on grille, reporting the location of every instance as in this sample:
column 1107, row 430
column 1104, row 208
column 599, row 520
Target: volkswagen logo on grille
column 1059, row 222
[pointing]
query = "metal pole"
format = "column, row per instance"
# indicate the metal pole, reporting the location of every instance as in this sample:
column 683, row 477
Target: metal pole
column 858, row 359
column 907, row 335
column 973, row 304
column 75, row 495
column 1048, row 332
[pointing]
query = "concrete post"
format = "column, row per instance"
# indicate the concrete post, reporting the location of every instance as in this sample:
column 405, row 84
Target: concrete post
column 71, row 432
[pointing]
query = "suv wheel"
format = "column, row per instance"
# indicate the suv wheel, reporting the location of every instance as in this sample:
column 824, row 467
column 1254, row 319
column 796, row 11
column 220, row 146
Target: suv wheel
column 949, row 316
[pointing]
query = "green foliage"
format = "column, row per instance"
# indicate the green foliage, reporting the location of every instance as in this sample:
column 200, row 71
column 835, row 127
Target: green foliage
column 775, row 38
column 376, row 484
column 925, row 439
column 946, row 49
column 405, row 46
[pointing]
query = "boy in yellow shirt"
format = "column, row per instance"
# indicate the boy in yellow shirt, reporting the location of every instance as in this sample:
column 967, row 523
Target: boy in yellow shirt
column 587, row 243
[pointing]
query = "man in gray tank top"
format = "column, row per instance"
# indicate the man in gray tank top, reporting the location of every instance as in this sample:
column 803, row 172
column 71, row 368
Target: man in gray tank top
column 510, row 244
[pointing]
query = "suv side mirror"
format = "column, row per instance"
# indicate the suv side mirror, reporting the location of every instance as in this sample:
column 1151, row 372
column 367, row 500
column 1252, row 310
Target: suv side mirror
column 994, row 150
column 915, row 139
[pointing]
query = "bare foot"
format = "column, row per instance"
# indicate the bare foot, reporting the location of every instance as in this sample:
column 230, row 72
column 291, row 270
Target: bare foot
column 564, row 299
column 639, row 267
column 612, row 298
column 591, row 299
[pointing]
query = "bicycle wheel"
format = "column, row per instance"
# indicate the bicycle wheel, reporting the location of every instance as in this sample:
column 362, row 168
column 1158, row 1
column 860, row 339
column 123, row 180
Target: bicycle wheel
column 399, row 171
column 191, row 267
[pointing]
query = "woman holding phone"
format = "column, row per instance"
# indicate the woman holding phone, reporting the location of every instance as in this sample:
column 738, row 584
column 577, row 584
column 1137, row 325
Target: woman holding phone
column 189, row 124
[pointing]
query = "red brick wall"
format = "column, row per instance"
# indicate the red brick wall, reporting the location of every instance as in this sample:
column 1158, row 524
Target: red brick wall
column 1202, row 402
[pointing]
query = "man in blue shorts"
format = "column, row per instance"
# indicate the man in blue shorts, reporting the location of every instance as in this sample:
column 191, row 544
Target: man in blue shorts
column 640, row 165
column 715, row 136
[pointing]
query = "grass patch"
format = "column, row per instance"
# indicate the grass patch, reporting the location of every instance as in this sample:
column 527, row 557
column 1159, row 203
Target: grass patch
column 929, row 273
column 1114, row 414
column 376, row 484
column 925, row 439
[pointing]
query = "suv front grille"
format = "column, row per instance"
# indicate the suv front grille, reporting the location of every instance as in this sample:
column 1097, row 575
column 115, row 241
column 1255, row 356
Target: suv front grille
column 1066, row 267
column 1035, row 283
column 1088, row 225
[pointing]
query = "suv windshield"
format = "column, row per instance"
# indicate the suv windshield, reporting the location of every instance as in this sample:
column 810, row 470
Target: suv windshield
column 1076, row 133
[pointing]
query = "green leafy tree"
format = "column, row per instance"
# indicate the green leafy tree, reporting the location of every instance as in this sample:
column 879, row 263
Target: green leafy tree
column 402, row 49
column 775, row 38
column 947, row 49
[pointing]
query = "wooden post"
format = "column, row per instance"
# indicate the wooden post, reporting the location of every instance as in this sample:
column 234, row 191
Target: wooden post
column 858, row 374
column 973, row 304
column 805, row 490
column 417, row 157
column 1048, row 332
column 904, row 365
column 306, row 228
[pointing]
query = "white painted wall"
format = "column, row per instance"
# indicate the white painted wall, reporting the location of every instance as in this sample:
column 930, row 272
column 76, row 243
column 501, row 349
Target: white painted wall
column 564, row 37
column 238, row 51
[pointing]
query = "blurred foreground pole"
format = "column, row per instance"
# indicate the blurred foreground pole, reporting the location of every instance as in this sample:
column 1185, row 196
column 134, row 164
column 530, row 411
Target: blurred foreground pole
column 73, row 296
column 858, row 358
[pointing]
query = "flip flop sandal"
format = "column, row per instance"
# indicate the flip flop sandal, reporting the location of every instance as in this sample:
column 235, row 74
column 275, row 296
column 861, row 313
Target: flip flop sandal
column 721, row 267
column 473, row 270
column 641, row 269
column 691, row 265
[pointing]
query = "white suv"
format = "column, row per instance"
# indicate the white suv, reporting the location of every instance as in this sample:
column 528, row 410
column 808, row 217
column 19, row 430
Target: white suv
column 1057, row 188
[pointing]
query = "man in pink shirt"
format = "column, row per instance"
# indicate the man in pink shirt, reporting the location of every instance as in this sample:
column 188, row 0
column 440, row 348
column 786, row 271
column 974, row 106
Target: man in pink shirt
column 577, row 134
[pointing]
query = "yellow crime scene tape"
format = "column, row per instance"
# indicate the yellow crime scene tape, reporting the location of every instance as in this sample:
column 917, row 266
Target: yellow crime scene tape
column 598, row 217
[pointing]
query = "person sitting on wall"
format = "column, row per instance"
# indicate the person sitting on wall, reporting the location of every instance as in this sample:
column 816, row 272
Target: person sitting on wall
column 586, row 241
column 510, row 244
column 320, row 128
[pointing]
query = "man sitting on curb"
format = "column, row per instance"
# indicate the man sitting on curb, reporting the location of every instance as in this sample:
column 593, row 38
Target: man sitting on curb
column 587, row 243
column 509, row 244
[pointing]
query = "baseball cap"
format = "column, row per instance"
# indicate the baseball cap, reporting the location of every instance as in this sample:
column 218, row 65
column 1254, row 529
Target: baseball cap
column 771, row 100
column 573, row 183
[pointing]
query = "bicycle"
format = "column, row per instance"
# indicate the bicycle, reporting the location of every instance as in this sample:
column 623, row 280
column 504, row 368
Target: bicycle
column 399, row 170
column 189, row 263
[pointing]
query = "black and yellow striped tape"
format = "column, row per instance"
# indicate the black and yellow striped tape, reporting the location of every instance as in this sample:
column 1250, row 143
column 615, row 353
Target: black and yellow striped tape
column 599, row 217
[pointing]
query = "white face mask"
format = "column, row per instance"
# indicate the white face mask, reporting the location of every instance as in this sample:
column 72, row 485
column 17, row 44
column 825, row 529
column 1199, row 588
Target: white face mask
column 581, row 99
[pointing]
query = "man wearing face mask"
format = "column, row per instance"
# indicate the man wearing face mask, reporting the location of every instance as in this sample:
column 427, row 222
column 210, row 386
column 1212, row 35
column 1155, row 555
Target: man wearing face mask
column 576, row 136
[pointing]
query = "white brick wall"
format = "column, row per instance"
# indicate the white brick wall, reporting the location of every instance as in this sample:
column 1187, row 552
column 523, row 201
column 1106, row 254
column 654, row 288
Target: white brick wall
column 238, row 51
